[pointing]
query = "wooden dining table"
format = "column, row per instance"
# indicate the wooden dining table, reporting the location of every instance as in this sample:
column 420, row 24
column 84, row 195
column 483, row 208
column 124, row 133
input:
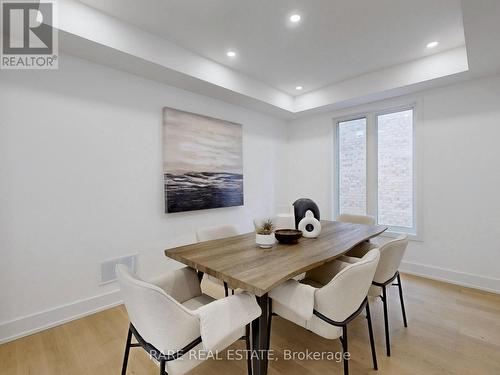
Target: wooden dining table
column 241, row 264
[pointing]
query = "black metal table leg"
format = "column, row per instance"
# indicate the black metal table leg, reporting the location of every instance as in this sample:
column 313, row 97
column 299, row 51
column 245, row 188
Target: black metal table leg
column 270, row 316
column 260, row 339
column 200, row 275
column 248, row 348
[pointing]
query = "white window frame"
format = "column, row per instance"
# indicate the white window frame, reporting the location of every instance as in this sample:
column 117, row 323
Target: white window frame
column 371, row 116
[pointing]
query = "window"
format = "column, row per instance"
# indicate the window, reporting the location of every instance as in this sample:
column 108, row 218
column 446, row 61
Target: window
column 395, row 169
column 375, row 168
column 352, row 166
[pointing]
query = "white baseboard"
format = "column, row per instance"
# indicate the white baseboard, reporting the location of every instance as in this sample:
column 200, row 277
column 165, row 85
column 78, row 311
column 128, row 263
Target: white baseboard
column 488, row 284
column 30, row 324
column 40, row 321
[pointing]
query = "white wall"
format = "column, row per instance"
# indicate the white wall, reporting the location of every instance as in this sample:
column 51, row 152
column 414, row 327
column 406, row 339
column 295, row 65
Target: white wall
column 81, row 181
column 458, row 133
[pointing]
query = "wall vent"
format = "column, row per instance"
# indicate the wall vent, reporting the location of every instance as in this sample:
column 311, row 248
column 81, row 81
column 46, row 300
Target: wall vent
column 108, row 267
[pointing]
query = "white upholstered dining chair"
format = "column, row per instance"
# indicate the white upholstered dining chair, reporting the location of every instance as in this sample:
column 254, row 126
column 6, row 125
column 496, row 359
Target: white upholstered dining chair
column 362, row 248
column 391, row 255
column 356, row 219
column 170, row 317
column 215, row 233
column 328, row 299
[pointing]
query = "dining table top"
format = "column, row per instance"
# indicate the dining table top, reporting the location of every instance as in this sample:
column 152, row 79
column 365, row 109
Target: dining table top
column 242, row 264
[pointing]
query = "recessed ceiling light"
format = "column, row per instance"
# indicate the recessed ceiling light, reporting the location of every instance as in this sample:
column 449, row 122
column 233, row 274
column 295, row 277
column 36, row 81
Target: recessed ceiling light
column 298, row 88
column 231, row 54
column 295, row 18
column 432, row 44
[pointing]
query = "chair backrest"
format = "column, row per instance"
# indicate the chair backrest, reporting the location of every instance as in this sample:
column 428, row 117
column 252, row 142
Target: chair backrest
column 159, row 318
column 343, row 295
column 215, row 233
column 356, row 219
column 391, row 255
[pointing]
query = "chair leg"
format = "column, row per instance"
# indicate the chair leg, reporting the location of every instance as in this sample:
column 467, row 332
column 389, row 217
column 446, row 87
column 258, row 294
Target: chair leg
column 249, row 356
column 345, row 349
column 127, row 351
column 226, row 291
column 402, row 301
column 370, row 331
column 162, row 367
column 386, row 322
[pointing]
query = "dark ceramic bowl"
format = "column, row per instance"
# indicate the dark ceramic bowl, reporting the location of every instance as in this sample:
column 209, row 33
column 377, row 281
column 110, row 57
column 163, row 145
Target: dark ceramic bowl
column 288, row 236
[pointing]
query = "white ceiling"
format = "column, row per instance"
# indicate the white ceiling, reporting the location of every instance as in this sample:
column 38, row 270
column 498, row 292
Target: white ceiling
column 336, row 39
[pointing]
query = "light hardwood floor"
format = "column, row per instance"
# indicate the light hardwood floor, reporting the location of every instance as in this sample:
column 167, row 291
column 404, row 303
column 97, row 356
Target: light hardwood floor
column 452, row 330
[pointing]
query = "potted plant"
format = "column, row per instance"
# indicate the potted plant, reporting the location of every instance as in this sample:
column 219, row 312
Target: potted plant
column 264, row 234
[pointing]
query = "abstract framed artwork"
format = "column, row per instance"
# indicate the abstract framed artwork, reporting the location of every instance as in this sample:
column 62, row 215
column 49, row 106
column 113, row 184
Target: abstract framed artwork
column 202, row 162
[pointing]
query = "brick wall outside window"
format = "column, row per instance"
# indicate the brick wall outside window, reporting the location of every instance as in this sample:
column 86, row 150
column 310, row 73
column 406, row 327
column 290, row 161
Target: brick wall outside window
column 352, row 163
column 395, row 169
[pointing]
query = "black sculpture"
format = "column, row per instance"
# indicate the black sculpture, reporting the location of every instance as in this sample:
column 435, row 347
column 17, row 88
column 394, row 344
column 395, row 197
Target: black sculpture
column 301, row 206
